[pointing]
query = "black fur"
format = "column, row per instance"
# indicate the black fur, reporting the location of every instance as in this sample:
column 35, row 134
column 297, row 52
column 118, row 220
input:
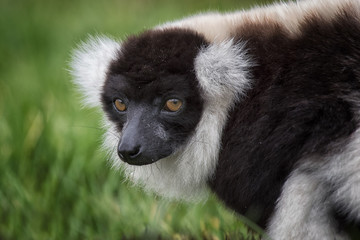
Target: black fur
column 301, row 105
column 152, row 68
column 154, row 54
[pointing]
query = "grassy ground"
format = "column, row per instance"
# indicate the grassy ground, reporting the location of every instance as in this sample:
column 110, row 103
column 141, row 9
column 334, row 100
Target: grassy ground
column 54, row 182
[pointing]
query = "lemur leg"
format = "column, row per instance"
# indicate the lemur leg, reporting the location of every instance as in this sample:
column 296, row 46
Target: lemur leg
column 347, row 197
column 346, row 179
column 303, row 211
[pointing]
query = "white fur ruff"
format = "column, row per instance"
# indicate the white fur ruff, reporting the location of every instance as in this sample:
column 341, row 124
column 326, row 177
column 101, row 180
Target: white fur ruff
column 89, row 66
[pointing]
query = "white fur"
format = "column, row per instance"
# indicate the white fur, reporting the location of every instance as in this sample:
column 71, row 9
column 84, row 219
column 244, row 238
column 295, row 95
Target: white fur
column 289, row 15
column 222, row 72
column 89, row 65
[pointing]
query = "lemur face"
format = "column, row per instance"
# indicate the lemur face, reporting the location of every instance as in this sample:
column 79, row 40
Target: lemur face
column 152, row 96
column 166, row 94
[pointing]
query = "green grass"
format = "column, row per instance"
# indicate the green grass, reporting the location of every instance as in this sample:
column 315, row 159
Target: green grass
column 55, row 183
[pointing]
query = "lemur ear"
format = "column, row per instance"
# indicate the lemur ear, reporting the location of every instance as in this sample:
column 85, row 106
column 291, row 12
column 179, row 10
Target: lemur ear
column 89, row 65
column 222, row 70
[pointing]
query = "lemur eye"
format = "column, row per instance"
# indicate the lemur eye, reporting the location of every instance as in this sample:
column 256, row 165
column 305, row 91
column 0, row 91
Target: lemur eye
column 120, row 105
column 173, row 105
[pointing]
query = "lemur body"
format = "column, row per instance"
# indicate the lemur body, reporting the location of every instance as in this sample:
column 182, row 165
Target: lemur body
column 261, row 106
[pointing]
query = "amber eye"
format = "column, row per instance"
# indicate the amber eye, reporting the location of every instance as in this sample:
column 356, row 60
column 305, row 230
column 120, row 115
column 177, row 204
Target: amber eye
column 120, row 105
column 173, row 105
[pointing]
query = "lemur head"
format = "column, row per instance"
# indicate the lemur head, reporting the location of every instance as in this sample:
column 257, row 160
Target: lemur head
column 152, row 96
column 166, row 94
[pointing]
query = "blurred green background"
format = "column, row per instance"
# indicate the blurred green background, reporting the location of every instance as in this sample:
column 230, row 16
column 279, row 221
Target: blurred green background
column 55, row 182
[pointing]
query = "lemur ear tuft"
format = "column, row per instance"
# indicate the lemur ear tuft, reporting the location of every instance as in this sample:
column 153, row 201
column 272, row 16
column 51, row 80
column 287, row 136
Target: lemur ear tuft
column 223, row 69
column 89, row 65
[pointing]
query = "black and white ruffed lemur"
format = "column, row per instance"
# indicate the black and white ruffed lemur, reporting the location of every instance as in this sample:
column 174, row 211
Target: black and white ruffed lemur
column 260, row 106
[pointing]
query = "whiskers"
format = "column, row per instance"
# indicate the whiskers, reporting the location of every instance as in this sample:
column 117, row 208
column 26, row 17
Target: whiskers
column 88, row 127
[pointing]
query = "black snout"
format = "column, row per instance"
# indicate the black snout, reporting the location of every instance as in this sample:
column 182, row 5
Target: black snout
column 129, row 154
column 139, row 143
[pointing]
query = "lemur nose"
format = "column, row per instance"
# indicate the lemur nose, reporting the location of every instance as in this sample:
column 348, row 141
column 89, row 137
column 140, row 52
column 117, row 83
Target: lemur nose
column 128, row 153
